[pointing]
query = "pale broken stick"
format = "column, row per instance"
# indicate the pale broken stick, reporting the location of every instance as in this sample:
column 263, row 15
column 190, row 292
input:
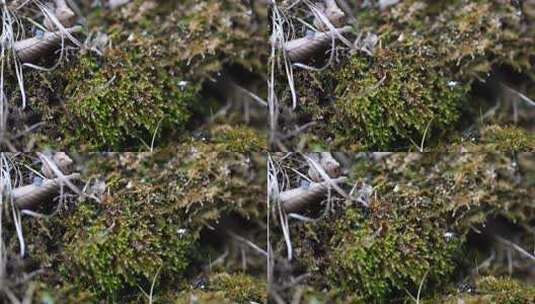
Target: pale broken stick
column 303, row 48
column 296, row 200
column 29, row 196
column 31, row 49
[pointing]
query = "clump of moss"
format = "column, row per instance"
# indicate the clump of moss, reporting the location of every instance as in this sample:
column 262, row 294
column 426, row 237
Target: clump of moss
column 495, row 290
column 49, row 294
column 495, row 138
column 384, row 256
column 148, row 80
column 221, row 33
column 415, row 229
column 109, row 258
column 124, row 100
column 227, row 288
column 393, row 101
column 419, row 77
column 238, row 139
column 149, row 222
column 241, row 288
column 151, row 78
column 508, row 138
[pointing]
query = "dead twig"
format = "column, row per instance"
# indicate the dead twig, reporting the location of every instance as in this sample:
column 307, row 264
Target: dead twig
column 303, row 48
column 298, row 199
column 519, row 249
column 31, row 49
column 29, row 196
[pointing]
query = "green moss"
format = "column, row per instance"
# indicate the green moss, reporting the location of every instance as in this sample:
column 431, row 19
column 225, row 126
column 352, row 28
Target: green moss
column 495, row 290
column 420, row 76
column 381, row 257
column 389, row 101
column 123, row 101
column 46, row 294
column 147, row 83
column 508, row 138
column 312, row 295
column 148, row 223
column 242, row 288
column 506, row 290
column 109, row 258
column 494, row 138
column 220, row 33
column 415, row 229
column 228, row 288
column 239, row 139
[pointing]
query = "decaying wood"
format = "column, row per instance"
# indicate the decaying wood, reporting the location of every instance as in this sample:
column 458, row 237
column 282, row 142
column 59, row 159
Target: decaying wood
column 31, row 49
column 303, row 48
column 298, row 199
column 30, row 196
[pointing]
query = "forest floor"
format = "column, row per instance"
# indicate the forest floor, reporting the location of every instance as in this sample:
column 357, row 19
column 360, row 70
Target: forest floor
column 196, row 164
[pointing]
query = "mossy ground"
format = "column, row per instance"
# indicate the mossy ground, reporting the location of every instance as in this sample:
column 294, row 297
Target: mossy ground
column 152, row 80
column 225, row 288
column 419, row 230
column 495, row 290
column 163, row 217
column 418, row 86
